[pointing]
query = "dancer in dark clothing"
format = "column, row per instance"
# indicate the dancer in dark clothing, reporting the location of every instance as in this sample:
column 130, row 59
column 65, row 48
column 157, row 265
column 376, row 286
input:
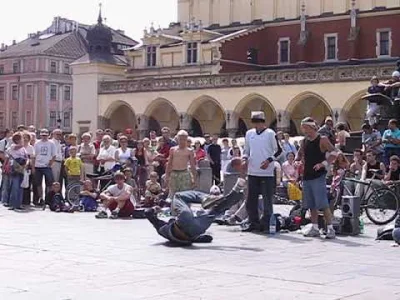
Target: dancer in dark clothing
column 187, row 228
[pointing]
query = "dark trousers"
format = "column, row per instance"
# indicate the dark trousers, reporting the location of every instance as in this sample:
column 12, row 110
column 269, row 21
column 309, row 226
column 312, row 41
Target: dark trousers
column 264, row 186
column 216, row 172
column 26, row 200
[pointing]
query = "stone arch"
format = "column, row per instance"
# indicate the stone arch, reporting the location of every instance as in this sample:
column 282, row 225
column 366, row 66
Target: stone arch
column 308, row 104
column 208, row 113
column 119, row 116
column 160, row 113
column 254, row 102
column 353, row 111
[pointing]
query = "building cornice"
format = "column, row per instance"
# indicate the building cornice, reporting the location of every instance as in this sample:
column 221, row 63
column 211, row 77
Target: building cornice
column 298, row 75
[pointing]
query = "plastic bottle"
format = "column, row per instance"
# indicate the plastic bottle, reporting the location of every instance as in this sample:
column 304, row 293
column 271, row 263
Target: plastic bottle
column 272, row 224
column 361, row 226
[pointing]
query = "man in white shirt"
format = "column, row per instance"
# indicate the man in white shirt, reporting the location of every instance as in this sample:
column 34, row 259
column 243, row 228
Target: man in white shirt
column 56, row 166
column 260, row 151
column 45, row 155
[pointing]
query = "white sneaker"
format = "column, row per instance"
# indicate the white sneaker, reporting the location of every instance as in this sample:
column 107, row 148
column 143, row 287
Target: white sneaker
column 331, row 234
column 310, row 231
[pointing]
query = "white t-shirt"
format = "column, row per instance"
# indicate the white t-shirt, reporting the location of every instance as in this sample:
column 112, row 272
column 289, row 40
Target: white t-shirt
column 44, row 152
column 30, row 150
column 59, row 150
column 5, row 144
column 258, row 148
column 115, row 191
column 106, row 154
column 124, row 156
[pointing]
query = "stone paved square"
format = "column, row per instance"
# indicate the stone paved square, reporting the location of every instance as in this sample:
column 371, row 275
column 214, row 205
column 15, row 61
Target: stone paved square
column 44, row 255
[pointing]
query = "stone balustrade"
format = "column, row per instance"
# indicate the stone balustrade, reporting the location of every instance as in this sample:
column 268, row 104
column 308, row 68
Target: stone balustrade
column 320, row 74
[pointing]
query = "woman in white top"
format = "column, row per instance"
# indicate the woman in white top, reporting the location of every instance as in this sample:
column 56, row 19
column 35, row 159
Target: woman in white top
column 123, row 153
column 30, row 150
column 106, row 155
column 87, row 152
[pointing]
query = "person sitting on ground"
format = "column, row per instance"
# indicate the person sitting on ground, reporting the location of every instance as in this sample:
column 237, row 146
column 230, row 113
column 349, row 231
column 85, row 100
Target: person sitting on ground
column 153, row 190
column 372, row 168
column 289, row 170
column 88, row 197
column 234, row 166
column 373, row 106
column 129, row 180
column 117, row 199
column 358, row 163
column 341, row 136
column 55, row 199
column 187, row 228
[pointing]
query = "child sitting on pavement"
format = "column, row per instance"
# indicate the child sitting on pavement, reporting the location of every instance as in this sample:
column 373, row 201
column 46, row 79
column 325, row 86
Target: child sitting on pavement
column 55, row 199
column 88, row 197
column 153, row 190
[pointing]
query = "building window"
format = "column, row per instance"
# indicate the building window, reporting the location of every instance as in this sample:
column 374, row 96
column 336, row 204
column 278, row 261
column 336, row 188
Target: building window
column 331, row 46
column 53, row 67
column 16, row 68
column 191, row 53
column 67, row 120
column 2, row 120
column 14, row 92
column 1, row 69
column 2, row 93
column 52, row 119
column 284, row 51
column 151, row 56
column 384, row 42
column 67, row 93
column 28, row 118
column 66, row 68
column 14, row 120
column 29, row 92
column 53, row 92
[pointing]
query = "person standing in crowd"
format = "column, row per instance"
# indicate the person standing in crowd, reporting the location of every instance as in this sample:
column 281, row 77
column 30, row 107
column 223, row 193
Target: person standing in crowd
column 18, row 159
column 207, row 142
column 235, row 147
column 328, row 130
column 152, row 135
column 166, row 134
column 131, row 140
column 341, row 136
column 56, row 166
column 142, row 163
column 313, row 153
column 391, row 141
column 106, row 155
column 45, row 155
column 199, row 152
column 5, row 144
column 151, row 153
column 87, row 152
column 124, row 153
column 177, row 176
column 287, row 146
column 214, row 156
column 224, row 154
column 260, row 151
column 30, row 150
column 111, row 134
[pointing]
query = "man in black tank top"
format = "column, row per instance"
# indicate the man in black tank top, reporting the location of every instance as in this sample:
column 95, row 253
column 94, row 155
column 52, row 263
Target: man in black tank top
column 313, row 153
column 372, row 164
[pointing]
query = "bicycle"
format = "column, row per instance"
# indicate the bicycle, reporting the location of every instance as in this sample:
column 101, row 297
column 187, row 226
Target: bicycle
column 374, row 198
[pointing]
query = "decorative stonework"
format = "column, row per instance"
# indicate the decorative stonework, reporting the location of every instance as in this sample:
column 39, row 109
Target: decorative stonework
column 273, row 77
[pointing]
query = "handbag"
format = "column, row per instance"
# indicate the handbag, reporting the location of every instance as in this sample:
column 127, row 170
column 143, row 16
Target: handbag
column 25, row 180
column 294, row 192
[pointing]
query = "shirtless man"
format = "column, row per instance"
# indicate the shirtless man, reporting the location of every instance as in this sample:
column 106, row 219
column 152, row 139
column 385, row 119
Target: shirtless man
column 178, row 177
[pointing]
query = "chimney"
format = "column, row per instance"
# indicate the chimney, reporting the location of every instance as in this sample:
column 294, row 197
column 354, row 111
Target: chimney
column 14, row 42
column 121, row 31
column 3, row 46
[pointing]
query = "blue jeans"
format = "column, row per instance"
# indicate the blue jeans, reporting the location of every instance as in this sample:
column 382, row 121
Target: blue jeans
column 396, row 235
column 315, row 194
column 5, row 189
column 16, row 190
column 264, row 186
column 47, row 173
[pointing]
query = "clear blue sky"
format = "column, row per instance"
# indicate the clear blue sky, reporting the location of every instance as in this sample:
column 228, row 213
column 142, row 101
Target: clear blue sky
column 20, row 17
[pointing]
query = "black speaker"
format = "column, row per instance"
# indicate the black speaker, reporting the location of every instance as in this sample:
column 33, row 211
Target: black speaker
column 350, row 223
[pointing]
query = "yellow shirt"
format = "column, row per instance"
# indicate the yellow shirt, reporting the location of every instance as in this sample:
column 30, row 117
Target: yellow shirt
column 73, row 166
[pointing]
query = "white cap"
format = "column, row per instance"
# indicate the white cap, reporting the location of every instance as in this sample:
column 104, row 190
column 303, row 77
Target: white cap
column 396, row 74
column 258, row 115
column 214, row 190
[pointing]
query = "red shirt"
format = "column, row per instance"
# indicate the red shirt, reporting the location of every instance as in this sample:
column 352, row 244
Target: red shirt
column 200, row 154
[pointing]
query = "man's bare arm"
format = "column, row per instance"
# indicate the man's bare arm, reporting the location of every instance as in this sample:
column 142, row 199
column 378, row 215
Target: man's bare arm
column 192, row 162
column 168, row 167
column 300, row 153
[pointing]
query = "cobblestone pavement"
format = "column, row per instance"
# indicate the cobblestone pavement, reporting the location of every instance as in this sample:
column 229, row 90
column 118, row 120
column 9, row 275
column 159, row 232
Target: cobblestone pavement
column 45, row 255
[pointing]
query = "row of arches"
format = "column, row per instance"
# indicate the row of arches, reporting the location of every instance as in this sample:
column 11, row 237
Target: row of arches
column 207, row 115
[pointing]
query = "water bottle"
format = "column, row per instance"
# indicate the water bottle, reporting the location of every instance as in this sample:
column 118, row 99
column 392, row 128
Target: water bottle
column 272, row 224
column 361, row 226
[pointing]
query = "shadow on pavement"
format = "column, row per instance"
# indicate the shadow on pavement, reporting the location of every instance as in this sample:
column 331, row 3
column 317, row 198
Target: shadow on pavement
column 209, row 247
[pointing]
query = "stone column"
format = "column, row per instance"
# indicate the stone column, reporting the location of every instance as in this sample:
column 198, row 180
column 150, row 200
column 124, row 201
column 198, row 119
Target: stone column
column 142, row 128
column 232, row 123
column 283, row 121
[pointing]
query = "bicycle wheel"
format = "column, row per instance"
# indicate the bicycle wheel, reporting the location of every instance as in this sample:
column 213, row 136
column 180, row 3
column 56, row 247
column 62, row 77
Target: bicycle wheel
column 72, row 194
column 382, row 206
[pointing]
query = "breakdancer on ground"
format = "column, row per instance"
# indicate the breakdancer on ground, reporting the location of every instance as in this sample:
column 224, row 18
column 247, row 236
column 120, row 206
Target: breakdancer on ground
column 186, row 228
